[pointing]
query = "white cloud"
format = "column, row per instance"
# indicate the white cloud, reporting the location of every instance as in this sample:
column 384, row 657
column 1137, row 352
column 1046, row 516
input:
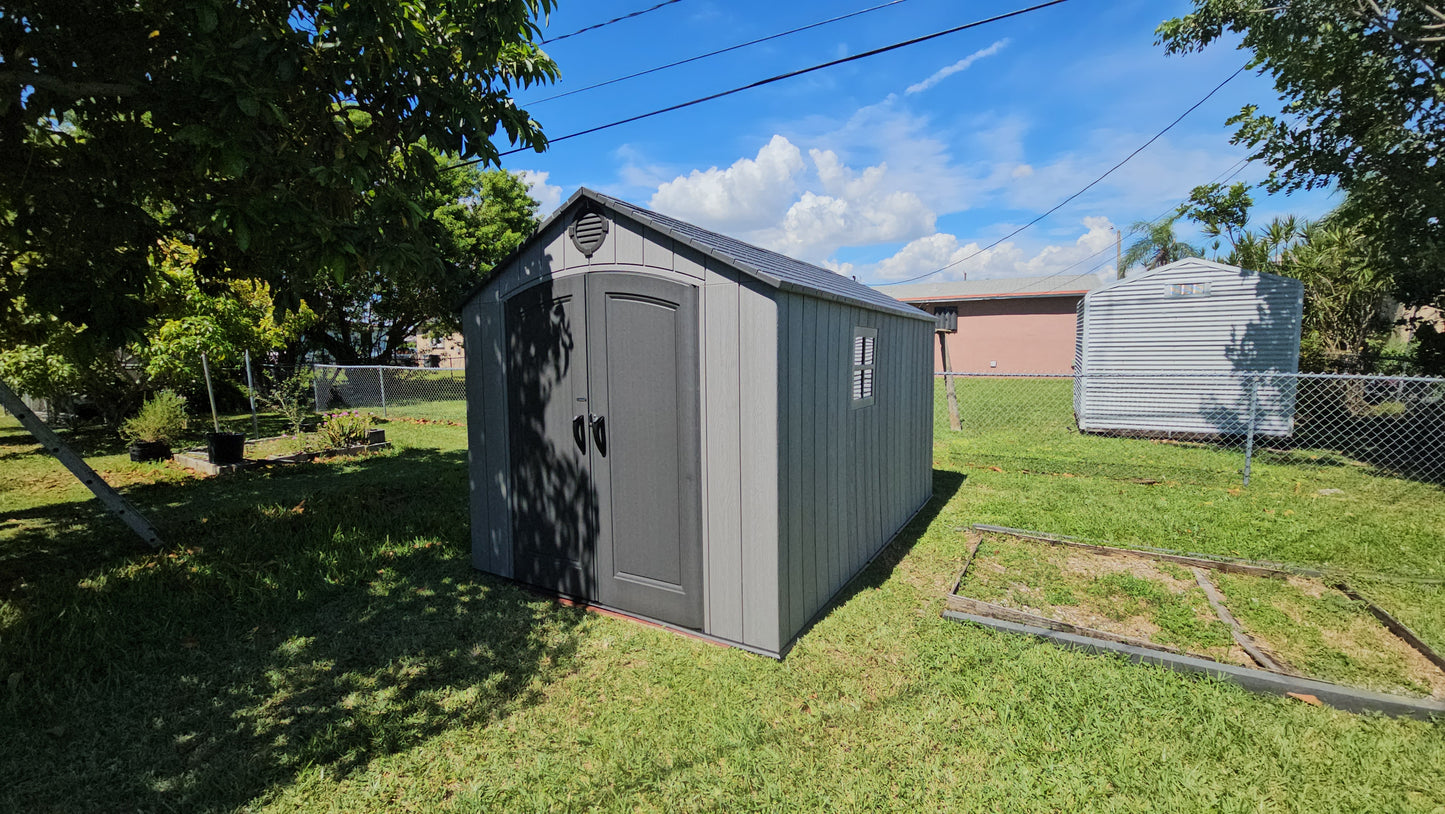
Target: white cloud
column 961, row 65
column 850, row 208
column 547, row 195
column 1007, row 259
column 637, row 172
column 753, row 193
column 801, row 194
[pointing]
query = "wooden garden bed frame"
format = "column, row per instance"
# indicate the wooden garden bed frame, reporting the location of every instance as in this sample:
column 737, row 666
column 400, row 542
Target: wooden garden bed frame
column 1271, row 674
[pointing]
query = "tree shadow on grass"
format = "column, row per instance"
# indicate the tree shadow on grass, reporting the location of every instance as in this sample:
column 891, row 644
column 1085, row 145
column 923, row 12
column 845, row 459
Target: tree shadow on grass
column 313, row 618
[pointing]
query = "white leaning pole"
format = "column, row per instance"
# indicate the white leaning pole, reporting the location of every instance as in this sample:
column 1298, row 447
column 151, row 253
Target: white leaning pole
column 108, row 496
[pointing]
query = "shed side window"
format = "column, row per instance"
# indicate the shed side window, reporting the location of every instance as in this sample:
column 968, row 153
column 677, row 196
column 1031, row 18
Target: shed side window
column 865, row 355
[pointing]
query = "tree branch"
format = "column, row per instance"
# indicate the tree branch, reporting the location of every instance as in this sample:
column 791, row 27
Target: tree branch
column 77, row 90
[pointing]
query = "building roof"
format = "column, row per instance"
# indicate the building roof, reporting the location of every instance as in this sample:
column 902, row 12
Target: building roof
column 776, row 270
column 1200, row 264
column 997, row 289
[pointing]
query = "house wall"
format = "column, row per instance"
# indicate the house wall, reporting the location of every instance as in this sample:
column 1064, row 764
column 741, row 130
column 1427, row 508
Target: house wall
column 849, row 478
column 1016, row 335
column 739, row 443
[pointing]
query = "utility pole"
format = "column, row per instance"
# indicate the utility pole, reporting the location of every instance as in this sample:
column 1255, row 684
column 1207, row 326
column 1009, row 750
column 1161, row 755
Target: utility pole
column 1118, row 254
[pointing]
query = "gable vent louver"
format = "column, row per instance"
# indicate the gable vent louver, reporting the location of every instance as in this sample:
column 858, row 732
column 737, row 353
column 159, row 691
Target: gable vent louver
column 587, row 231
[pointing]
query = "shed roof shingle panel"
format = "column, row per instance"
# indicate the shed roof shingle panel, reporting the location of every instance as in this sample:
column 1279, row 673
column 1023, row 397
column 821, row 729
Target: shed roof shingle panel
column 771, row 268
column 785, row 272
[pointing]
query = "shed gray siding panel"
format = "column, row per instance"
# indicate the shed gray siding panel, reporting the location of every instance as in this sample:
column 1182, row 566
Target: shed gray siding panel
column 1248, row 322
column 852, row 476
column 722, row 462
column 487, row 436
column 758, row 442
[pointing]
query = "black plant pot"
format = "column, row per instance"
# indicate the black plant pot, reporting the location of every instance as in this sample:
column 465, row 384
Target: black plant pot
column 225, row 447
column 376, row 436
column 142, row 451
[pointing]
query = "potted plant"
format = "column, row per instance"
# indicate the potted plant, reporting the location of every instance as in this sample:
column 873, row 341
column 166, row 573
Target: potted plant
column 225, row 447
column 151, row 431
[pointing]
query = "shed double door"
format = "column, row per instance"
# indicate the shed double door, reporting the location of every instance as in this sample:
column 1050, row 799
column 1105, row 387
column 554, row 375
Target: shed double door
column 602, row 396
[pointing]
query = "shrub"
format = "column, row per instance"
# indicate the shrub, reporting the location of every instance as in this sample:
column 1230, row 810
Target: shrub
column 344, row 429
column 291, row 397
column 160, row 420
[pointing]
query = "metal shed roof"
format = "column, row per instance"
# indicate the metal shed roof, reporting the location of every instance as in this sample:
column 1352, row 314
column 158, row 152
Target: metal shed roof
column 1189, row 263
column 997, row 289
column 777, row 270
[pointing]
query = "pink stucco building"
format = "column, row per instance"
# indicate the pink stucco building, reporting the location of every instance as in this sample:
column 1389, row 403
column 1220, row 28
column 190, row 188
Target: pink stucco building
column 1012, row 325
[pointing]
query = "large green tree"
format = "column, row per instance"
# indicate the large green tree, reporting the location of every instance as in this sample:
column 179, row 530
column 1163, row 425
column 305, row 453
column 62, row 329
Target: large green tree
column 268, row 134
column 1363, row 108
column 474, row 218
column 57, row 360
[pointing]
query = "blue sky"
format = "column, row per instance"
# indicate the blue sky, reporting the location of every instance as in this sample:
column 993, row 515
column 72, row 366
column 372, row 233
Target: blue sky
column 890, row 167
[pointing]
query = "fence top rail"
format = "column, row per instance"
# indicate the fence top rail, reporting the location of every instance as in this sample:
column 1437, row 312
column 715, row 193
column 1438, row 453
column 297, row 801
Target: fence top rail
column 391, row 367
column 1185, row 374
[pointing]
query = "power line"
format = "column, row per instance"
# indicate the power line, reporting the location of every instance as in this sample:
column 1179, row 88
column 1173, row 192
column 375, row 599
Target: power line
column 1228, row 174
column 728, row 49
column 1223, row 177
column 611, row 21
column 1086, row 187
column 780, row 77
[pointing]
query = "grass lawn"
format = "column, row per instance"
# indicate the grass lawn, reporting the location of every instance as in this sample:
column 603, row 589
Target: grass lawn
column 315, row 639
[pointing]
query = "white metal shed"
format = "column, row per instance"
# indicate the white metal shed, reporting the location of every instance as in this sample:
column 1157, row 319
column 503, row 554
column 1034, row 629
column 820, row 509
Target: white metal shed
column 1173, row 350
column 680, row 426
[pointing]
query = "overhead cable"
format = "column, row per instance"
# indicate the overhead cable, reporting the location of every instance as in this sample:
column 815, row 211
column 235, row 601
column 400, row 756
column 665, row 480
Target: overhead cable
column 1223, row 177
column 611, row 21
column 739, row 46
column 1086, row 187
column 780, row 77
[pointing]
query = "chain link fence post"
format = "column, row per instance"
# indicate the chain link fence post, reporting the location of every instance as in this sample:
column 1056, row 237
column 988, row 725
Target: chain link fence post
column 1249, row 433
column 411, row 392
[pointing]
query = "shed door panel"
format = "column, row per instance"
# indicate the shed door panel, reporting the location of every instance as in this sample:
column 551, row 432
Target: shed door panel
column 553, row 496
column 643, row 376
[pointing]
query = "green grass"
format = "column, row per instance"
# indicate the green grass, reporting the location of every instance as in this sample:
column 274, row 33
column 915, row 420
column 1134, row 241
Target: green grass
column 1328, row 636
column 1032, row 471
column 1036, row 576
column 314, row 639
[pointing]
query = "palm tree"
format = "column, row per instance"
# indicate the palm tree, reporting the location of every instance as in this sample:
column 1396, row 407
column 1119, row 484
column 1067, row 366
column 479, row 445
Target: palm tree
column 1268, row 248
column 1156, row 246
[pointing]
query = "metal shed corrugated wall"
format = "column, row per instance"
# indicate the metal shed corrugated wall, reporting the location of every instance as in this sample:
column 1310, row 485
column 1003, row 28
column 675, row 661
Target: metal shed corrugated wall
column 1169, row 350
column 799, row 484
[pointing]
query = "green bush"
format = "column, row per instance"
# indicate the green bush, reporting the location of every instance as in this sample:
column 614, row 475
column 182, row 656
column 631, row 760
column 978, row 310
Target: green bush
column 291, row 397
column 344, row 429
column 160, row 420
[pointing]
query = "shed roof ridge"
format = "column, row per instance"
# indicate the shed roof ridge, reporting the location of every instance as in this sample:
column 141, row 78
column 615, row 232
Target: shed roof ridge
column 769, row 267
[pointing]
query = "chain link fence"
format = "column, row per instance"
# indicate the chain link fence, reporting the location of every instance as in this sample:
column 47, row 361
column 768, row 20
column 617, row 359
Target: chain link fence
column 1192, row 426
column 433, row 393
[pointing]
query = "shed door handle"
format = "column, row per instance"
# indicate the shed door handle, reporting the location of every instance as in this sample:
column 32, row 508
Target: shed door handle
column 599, row 434
column 579, row 432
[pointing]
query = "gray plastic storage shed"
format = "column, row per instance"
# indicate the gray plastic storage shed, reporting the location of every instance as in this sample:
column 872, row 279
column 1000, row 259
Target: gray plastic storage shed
column 682, row 427
column 1183, row 349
